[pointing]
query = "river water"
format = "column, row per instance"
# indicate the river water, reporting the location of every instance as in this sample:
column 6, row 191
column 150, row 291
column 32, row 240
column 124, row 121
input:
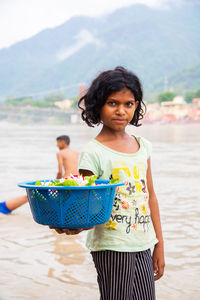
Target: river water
column 37, row 263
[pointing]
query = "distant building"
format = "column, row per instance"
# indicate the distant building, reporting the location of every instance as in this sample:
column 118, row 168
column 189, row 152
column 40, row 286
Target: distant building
column 153, row 112
column 175, row 109
column 179, row 100
column 196, row 102
column 195, row 109
column 65, row 104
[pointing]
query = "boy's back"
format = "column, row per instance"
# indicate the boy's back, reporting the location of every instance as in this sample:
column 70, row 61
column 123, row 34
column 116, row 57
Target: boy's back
column 68, row 159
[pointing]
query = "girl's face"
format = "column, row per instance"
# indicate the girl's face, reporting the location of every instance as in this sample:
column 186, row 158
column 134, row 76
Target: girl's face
column 118, row 110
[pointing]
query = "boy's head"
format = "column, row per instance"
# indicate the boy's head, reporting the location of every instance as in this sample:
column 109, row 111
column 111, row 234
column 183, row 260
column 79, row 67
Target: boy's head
column 105, row 84
column 63, row 141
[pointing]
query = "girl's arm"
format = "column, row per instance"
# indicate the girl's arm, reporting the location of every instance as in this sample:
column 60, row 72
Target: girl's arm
column 158, row 253
column 86, row 173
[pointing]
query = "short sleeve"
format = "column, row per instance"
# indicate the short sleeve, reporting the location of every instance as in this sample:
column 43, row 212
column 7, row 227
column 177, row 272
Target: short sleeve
column 147, row 146
column 89, row 161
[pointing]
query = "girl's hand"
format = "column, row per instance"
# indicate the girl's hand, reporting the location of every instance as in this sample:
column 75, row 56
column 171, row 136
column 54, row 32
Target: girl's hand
column 69, row 231
column 158, row 261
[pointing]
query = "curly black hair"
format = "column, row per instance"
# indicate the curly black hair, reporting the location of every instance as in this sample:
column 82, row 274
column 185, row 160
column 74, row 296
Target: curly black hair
column 106, row 83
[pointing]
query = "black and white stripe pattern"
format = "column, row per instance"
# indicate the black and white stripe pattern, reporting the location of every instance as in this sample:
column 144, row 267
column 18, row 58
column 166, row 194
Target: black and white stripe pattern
column 144, row 284
column 124, row 275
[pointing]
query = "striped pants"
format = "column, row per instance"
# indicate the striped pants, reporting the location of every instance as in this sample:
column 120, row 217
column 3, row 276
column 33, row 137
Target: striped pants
column 125, row 275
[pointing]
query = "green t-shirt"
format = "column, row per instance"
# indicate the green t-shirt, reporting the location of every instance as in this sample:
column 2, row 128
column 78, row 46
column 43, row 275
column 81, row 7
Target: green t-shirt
column 129, row 228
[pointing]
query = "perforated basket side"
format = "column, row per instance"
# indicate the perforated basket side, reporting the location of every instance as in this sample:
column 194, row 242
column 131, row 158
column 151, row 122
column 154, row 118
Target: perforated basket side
column 97, row 207
column 45, row 206
column 71, row 208
column 75, row 209
column 110, row 194
column 103, row 203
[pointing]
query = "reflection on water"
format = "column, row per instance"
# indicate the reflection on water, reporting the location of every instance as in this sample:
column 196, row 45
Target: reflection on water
column 71, row 255
column 37, row 263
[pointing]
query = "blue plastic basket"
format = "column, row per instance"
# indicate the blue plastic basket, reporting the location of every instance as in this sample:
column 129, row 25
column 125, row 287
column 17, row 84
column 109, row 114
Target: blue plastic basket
column 71, row 207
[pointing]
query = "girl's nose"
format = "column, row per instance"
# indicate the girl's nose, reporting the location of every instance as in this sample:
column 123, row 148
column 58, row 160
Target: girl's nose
column 120, row 110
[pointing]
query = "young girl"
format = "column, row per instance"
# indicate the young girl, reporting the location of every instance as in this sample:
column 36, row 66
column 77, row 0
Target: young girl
column 121, row 247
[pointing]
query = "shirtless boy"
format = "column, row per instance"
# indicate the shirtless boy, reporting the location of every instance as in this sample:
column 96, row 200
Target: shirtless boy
column 67, row 158
column 67, row 161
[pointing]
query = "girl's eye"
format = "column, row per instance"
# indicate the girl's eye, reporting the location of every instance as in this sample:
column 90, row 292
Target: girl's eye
column 129, row 104
column 111, row 103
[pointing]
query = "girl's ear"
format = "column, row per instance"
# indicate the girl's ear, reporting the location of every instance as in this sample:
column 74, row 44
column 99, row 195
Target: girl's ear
column 136, row 104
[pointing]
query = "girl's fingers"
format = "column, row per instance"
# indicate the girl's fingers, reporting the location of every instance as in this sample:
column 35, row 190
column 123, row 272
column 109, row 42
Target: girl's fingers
column 58, row 230
column 69, row 231
column 155, row 269
column 158, row 271
column 73, row 231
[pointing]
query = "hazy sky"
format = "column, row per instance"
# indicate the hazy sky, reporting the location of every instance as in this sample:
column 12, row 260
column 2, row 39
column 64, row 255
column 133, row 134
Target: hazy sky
column 20, row 19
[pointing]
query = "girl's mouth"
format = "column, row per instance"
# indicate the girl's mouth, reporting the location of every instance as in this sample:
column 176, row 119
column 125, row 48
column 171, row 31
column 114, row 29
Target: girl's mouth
column 120, row 121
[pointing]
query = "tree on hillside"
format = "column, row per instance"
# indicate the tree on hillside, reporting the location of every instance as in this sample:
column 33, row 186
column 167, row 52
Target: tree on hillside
column 21, row 101
column 54, row 97
column 166, row 96
column 28, row 101
column 189, row 96
column 197, row 94
column 192, row 94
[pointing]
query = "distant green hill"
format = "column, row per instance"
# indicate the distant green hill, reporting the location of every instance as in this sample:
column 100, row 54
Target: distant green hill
column 186, row 79
column 189, row 78
column 153, row 43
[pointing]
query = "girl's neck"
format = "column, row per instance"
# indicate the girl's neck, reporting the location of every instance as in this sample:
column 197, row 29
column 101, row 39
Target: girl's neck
column 108, row 134
column 119, row 141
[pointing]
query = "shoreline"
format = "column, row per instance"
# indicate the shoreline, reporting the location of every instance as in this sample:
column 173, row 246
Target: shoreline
column 143, row 123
